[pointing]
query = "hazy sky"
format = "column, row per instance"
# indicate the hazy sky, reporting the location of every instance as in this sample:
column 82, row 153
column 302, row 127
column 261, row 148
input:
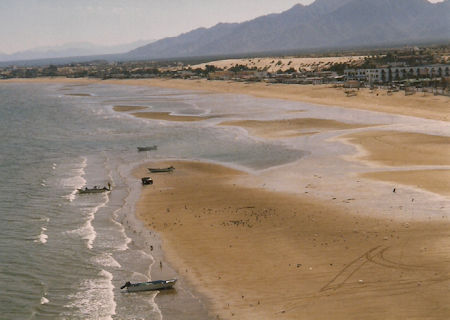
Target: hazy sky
column 26, row 24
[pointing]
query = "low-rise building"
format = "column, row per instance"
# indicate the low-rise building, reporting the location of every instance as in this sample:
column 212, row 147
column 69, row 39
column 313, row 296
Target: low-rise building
column 389, row 74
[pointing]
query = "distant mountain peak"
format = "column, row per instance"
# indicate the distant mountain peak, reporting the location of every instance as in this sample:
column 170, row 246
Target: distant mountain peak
column 322, row 24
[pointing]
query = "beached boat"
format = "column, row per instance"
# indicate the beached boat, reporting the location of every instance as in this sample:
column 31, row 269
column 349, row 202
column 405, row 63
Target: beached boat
column 150, row 285
column 147, row 180
column 95, row 189
column 150, row 148
column 156, row 170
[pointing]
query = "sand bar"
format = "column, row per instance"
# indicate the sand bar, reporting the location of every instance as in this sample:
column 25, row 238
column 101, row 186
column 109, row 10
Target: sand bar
column 167, row 116
column 290, row 127
column 258, row 254
column 395, row 148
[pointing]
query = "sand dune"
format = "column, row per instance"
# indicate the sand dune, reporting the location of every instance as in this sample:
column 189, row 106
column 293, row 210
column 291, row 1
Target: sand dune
column 274, row 64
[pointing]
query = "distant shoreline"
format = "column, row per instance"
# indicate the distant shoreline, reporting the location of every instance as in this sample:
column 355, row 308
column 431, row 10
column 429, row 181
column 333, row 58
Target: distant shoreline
column 420, row 105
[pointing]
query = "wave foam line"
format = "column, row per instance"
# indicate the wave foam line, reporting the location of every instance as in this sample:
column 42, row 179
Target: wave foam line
column 127, row 240
column 95, row 297
column 77, row 181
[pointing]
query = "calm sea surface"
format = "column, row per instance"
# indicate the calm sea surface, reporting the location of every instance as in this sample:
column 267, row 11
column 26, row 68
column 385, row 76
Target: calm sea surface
column 65, row 255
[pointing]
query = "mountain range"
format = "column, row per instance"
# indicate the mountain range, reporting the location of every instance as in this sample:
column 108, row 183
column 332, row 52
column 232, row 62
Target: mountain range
column 76, row 49
column 322, row 24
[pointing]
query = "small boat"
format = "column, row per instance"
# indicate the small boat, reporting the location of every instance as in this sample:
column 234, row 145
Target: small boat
column 150, row 285
column 156, row 170
column 147, row 180
column 150, row 148
column 95, row 189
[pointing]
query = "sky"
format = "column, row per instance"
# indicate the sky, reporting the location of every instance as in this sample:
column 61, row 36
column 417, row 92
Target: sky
column 26, row 24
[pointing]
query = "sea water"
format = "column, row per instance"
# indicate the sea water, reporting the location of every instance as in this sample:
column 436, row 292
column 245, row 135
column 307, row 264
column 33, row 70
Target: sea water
column 64, row 255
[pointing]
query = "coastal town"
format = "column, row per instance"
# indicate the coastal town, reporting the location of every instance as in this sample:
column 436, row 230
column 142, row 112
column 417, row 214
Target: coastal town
column 411, row 69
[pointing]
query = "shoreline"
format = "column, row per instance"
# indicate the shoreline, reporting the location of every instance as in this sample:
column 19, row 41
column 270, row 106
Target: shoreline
column 421, row 106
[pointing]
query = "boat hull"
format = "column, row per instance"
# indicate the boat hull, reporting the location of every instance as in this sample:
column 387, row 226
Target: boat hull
column 85, row 191
column 151, row 285
column 159, row 170
column 147, row 148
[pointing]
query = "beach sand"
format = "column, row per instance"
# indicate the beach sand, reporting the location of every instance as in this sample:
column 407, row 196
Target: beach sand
column 395, row 148
column 258, row 254
column 419, row 105
column 436, row 181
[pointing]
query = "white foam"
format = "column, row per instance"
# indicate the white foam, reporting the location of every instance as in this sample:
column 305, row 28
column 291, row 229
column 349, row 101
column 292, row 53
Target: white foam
column 95, row 297
column 106, row 260
column 87, row 231
column 42, row 238
column 124, row 246
column 76, row 182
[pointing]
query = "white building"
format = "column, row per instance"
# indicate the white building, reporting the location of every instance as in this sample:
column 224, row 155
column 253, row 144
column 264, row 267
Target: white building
column 397, row 73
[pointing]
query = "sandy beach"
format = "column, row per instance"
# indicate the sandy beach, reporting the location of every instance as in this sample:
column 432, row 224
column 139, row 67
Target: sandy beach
column 259, row 253
column 357, row 228
column 267, row 255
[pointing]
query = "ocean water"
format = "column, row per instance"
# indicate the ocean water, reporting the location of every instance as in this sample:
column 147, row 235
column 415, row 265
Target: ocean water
column 64, row 255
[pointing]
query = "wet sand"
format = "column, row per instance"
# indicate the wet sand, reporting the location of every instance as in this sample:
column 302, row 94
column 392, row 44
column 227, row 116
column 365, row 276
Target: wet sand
column 285, row 128
column 258, row 254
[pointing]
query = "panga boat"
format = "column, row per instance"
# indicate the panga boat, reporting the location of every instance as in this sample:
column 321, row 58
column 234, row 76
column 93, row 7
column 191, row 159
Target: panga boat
column 150, row 148
column 147, row 180
column 156, row 170
column 150, row 285
column 95, row 189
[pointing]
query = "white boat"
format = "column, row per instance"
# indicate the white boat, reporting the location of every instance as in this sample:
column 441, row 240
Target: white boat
column 150, row 285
